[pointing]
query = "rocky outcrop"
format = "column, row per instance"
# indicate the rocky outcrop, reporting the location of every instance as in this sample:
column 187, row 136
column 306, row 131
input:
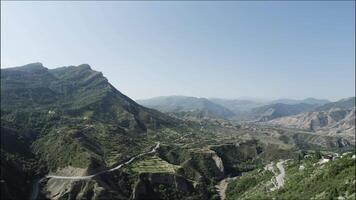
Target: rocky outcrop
column 232, row 155
column 218, row 162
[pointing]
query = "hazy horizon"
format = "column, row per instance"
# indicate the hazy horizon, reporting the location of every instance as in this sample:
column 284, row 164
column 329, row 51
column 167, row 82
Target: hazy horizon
column 257, row 99
column 233, row 50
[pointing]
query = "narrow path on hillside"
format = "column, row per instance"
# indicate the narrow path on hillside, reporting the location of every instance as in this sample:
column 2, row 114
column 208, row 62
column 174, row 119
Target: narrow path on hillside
column 280, row 177
column 35, row 187
column 222, row 186
column 282, row 174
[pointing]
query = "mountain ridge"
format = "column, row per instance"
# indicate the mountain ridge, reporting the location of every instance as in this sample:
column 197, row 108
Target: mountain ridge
column 187, row 105
column 70, row 116
column 241, row 110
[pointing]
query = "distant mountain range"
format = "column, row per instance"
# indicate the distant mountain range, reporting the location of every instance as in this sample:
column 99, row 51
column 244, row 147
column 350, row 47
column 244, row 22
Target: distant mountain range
column 332, row 118
column 310, row 114
column 231, row 109
column 239, row 107
column 305, row 101
column 187, row 107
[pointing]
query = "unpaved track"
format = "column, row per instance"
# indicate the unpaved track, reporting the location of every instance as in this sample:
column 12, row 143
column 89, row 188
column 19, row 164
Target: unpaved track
column 281, row 175
column 35, row 187
column 222, row 186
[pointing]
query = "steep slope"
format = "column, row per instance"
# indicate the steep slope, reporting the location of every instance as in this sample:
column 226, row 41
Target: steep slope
column 68, row 117
column 332, row 118
column 73, row 91
column 183, row 106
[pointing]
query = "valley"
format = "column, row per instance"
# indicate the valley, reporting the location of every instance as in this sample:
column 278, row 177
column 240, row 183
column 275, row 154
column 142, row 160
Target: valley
column 67, row 133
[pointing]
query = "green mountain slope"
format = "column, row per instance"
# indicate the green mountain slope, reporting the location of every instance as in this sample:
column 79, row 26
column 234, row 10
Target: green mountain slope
column 76, row 91
column 306, row 178
column 71, row 122
column 70, row 116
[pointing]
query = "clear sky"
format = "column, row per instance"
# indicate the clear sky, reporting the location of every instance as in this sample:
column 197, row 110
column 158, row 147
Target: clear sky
column 231, row 49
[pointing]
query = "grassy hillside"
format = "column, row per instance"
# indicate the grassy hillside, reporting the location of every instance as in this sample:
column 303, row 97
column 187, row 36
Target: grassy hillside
column 70, row 116
column 72, row 121
column 305, row 179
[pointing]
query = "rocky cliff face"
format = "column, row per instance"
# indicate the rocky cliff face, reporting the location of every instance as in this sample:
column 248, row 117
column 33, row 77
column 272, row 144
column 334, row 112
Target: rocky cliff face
column 219, row 163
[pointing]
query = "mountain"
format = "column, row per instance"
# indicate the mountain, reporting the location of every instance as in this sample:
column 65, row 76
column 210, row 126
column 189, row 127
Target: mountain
column 272, row 111
column 242, row 110
column 266, row 110
column 305, row 101
column 347, row 103
column 184, row 106
column 239, row 107
column 74, row 91
column 332, row 118
column 67, row 133
column 52, row 119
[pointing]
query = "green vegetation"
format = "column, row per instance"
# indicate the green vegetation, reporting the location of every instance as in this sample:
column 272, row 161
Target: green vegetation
column 327, row 181
column 72, row 116
column 69, row 116
column 311, row 181
column 170, row 193
column 152, row 164
column 251, row 185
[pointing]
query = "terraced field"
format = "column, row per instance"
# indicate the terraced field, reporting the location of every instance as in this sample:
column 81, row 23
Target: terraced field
column 152, row 164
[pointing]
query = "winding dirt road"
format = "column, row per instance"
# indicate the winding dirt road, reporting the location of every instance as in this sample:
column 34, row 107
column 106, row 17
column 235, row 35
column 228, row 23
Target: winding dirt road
column 280, row 177
column 35, row 187
column 222, row 186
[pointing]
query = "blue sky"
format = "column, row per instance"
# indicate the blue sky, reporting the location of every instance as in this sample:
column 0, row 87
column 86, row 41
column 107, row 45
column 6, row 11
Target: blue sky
column 230, row 49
